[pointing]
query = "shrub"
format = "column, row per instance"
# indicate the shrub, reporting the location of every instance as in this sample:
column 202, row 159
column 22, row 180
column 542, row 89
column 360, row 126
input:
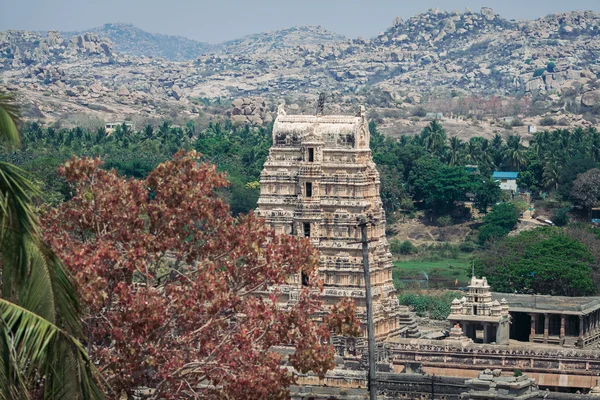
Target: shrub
column 444, row 221
column 436, row 307
column 468, row 247
column 539, row 72
column 560, row 216
column 547, row 121
column 407, row 248
column 419, row 112
column 550, row 66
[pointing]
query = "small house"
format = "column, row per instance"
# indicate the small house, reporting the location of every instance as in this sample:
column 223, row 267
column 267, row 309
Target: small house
column 508, row 180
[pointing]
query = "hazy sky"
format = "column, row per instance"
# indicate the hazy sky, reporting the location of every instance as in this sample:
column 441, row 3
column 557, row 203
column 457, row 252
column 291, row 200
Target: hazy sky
column 216, row 21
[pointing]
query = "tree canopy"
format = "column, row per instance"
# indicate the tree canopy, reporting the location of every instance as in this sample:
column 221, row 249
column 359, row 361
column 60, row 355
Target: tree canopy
column 181, row 296
column 541, row 261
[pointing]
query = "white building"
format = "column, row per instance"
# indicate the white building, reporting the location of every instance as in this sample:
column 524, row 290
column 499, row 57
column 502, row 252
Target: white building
column 508, row 180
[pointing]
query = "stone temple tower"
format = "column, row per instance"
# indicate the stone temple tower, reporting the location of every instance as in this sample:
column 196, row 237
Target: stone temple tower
column 317, row 181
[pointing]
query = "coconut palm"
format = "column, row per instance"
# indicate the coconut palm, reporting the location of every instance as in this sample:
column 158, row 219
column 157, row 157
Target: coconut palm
column 435, row 137
column 455, row 148
column 39, row 320
column 515, row 151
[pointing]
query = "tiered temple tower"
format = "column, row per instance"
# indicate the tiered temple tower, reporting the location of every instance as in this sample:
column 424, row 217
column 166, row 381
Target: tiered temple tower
column 318, row 180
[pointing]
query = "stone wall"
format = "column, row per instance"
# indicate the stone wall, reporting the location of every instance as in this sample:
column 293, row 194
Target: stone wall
column 550, row 367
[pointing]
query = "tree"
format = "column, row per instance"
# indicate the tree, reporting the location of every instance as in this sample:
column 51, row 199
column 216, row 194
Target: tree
column 439, row 185
column 515, row 152
column 182, row 297
column 40, row 350
column 586, row 188
column 487, row 192
column 541, row 261
column 569, row 172
column 455, row 149
column 498, row 222
column 434, row 136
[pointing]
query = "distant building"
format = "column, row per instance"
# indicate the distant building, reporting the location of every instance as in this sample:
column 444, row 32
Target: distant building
column 478, row 314
column 508, row 180
column 112, row 126
column 472, row 169
column 532, row 129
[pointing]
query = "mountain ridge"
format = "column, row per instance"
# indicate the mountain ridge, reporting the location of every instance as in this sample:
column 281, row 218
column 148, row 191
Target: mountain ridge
column 474, row 64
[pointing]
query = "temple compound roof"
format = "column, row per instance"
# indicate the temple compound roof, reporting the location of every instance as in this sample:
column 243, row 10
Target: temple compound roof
column 317, row 181
column 552, row 304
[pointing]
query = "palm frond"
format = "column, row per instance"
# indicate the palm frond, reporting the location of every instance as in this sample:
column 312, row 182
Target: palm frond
column 45, row 347
column 9, row 119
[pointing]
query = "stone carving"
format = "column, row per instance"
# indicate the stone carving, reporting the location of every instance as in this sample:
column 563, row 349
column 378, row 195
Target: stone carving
column 334, row 181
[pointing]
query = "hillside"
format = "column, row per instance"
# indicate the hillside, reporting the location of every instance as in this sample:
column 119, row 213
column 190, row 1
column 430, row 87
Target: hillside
column 297, row 36
column 478, row 67
column 128, row 39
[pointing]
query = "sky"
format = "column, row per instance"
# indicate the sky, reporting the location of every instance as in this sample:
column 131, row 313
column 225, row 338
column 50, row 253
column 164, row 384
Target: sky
column 216, row 21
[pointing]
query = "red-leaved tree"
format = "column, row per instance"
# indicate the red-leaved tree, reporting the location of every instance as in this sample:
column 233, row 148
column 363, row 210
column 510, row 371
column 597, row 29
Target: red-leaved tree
column 180, row 295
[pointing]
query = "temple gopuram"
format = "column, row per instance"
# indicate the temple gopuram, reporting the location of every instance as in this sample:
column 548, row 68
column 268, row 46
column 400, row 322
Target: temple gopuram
column 319, row 178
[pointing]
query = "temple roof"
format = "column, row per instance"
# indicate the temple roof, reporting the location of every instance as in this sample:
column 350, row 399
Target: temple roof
column 550, row 304
column 318, row 125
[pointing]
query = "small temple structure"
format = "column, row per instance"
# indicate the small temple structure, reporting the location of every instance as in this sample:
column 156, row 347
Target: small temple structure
column 317, row 181
column 479, row 317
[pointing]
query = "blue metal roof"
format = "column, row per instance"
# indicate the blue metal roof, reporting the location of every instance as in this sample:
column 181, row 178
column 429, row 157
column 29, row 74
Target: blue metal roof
column 505, row 175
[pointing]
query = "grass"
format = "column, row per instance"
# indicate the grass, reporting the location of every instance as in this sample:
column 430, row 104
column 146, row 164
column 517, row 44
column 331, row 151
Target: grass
column 444, row 271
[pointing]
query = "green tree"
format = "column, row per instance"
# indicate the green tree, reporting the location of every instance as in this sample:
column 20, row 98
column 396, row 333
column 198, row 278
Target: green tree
column 487, row 192
column 544, row 260
column 39, row 321
column 434, row 136
column 439, row 185
column 455, row 150
column 499, row 222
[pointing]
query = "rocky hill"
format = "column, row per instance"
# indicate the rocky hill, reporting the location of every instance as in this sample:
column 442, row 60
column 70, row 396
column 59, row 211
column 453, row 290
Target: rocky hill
column 481, row 69
column 267, row 42
column 128, row 39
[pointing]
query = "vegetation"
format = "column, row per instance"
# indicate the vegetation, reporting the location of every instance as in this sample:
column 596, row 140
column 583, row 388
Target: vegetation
column 161, row 264
column 41, row 351
column 542, row 261
column 238, row 151
column 432, row 306
column 501, row 220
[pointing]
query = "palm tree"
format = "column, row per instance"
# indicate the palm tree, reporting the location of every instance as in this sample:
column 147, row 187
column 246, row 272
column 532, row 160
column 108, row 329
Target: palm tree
column 435, row 137
column 455, row 148
column 515, row 151
column 39, row 312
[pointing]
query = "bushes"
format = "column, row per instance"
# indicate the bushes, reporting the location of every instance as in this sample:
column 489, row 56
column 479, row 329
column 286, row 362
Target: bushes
column 560, row 216
column 547, row 121
column 404, row 248
column 468, row 247
column 436, row 307
column 539, row 72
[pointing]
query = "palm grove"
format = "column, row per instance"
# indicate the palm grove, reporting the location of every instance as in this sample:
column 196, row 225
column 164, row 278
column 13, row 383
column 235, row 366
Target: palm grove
column 135, row 258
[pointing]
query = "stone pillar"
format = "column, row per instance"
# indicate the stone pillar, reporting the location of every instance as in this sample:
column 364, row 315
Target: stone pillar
column 534, row 318
column 581, row 327
column 486, row 333
column 562, row 325
column 546, row 326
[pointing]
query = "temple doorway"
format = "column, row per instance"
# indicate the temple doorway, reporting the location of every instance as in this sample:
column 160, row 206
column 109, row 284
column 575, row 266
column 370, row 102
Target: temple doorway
column 520, row 327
